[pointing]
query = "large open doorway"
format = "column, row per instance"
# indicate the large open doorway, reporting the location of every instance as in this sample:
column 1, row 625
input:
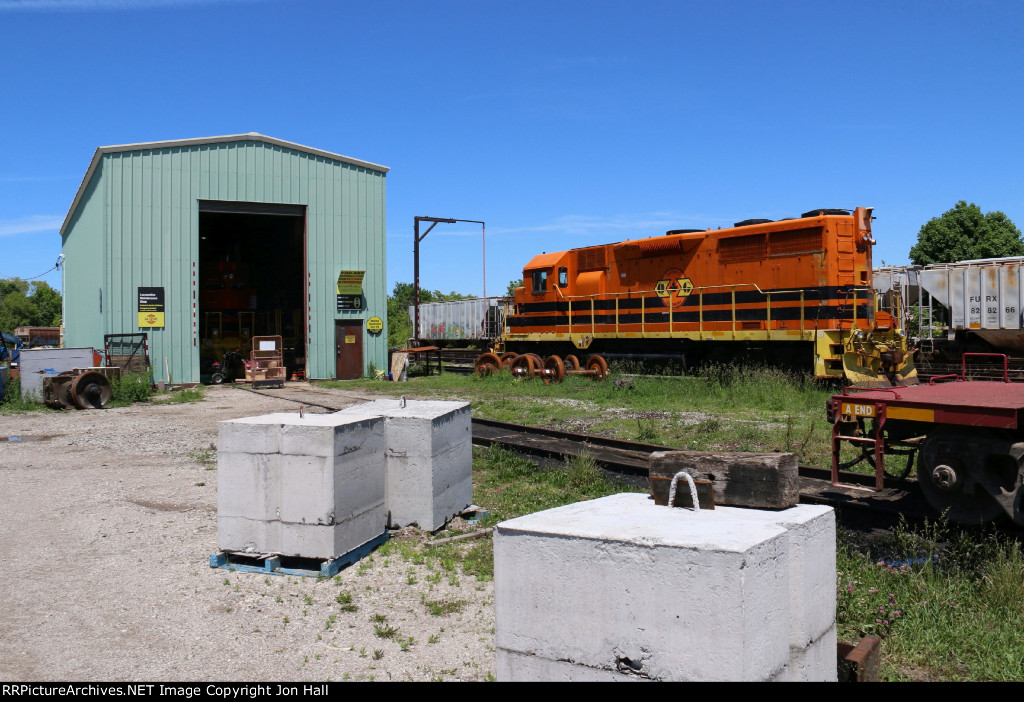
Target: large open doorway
column 251, row 283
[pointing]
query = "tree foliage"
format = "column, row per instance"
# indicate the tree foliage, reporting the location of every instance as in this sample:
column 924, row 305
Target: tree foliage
column 399, row 301
column 25, row 304
column 512, row 285
column 964, row 233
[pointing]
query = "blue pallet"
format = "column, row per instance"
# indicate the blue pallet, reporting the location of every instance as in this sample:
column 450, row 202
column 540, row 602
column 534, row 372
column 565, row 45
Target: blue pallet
column 314, row 567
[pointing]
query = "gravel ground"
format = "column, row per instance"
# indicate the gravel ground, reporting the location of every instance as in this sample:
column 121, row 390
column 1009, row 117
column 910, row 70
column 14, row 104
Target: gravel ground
column 107, row 529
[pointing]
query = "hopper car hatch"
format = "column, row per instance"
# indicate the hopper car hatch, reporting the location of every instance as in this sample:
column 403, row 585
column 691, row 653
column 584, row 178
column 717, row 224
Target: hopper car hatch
column 967, row 435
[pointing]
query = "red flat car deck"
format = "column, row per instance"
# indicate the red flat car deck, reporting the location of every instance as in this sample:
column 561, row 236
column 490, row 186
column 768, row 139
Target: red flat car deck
column 965, row 403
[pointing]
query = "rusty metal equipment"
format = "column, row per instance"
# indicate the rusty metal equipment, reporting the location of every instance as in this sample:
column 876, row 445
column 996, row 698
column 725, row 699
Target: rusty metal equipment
column 968, row 437
column 550, row 369
column 84, row 388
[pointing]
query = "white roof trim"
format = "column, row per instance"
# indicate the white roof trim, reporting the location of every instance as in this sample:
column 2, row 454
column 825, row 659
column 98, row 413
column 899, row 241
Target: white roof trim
column 251, row 136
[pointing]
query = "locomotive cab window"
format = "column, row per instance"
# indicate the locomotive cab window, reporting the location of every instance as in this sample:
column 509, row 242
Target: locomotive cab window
column 540, row 281
column 563, row 277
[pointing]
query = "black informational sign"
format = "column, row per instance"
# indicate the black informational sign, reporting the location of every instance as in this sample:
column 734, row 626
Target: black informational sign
column 151, row 307
column 350, row 302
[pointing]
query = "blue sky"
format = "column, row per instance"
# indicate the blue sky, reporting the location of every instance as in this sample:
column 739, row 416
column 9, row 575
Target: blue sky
column 559, row 123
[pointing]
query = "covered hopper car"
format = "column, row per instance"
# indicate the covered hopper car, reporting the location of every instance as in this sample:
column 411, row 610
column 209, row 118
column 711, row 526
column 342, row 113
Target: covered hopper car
column 794, row 292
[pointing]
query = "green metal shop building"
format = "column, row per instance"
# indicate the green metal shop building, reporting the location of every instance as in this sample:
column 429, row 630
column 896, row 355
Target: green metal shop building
column 202, row 244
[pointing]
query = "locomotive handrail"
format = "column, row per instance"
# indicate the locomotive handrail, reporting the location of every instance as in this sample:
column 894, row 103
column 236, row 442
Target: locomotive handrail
column 700, row 305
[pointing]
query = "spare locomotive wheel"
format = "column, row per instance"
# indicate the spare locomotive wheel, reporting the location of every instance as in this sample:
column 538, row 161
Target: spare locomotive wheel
column 525, row 366
column 90, row 390
column 486, row 364
column 598, row 367
column 572, row 363
column 507, row 358
column 554, row 370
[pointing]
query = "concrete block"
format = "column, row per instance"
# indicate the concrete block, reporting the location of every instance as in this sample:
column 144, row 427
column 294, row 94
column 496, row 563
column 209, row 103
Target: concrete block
column 811, row 531
column 814, row 663
column 620, row 583
column 524, row 668
column 248, row 535
column 249, row 485
column 252, row 434
column 316, row 483
column 429, row 459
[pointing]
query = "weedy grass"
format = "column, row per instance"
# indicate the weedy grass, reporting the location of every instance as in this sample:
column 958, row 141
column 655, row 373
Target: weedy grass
column 185, row 395
column 14, row 401
column 129, row 388
column 947, row 602
column 721, row 407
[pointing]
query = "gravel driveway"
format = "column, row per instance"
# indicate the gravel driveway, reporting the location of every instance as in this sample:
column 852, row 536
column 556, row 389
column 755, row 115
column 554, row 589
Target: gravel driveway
column 108, row 520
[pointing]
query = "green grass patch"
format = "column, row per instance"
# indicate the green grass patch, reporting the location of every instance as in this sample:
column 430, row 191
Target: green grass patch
column 947, row 602
column 444, row 607
column 185, row 395
column 14, row 401
column 129, row 388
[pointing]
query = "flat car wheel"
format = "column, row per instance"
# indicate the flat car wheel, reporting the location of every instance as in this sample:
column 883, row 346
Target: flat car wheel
column 946, row 481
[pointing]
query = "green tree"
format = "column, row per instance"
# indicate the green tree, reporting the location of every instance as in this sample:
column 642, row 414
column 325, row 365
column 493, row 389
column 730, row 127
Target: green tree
column 512, row 285
column 964, row 233
column 25, row 304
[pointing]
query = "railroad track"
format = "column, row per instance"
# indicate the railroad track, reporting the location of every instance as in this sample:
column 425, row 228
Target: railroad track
column 628, row 460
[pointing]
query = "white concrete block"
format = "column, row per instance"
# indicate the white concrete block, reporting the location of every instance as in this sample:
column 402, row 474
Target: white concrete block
column 812, row 568
column 248, row 485
column 248, row 535
column 622, row 583
column 429, row 458
column 252, row 434
column 523, row 668
column 317, row 483
column 815, row 663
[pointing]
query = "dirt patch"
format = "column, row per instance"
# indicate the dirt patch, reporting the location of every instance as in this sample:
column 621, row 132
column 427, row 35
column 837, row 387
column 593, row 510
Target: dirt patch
column 108, row 528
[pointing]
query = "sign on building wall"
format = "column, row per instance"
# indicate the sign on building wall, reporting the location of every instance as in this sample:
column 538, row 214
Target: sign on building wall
column 350, row 290
column 151, row 307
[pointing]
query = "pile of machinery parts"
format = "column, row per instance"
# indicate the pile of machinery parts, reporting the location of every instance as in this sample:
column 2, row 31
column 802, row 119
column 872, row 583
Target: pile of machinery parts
column 81, row 388
column 550, row 369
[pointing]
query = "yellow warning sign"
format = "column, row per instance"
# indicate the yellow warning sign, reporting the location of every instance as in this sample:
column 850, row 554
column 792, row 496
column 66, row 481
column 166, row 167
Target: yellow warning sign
column 853, row 410
column 375, row 325
column 350, row 282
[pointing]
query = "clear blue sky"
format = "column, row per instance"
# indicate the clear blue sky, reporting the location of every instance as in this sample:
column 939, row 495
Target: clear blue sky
column 559, row 123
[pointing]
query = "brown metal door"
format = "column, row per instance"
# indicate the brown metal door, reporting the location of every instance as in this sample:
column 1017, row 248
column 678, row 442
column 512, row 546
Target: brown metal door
column 348, row 346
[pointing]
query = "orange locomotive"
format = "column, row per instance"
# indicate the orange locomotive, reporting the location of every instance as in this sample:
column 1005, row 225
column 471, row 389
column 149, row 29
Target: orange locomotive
column 795, row 292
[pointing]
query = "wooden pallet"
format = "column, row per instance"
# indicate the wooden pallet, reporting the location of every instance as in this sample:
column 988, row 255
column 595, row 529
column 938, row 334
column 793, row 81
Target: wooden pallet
column 276, row 564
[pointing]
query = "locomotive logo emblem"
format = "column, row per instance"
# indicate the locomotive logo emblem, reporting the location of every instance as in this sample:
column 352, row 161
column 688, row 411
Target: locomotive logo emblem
column 673, row 288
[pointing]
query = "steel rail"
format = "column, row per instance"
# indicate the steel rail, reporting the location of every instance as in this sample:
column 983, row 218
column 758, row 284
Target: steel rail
column 629, row 459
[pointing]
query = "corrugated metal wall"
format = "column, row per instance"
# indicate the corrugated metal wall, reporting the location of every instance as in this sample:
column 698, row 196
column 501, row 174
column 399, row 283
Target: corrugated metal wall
column 138, row 226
